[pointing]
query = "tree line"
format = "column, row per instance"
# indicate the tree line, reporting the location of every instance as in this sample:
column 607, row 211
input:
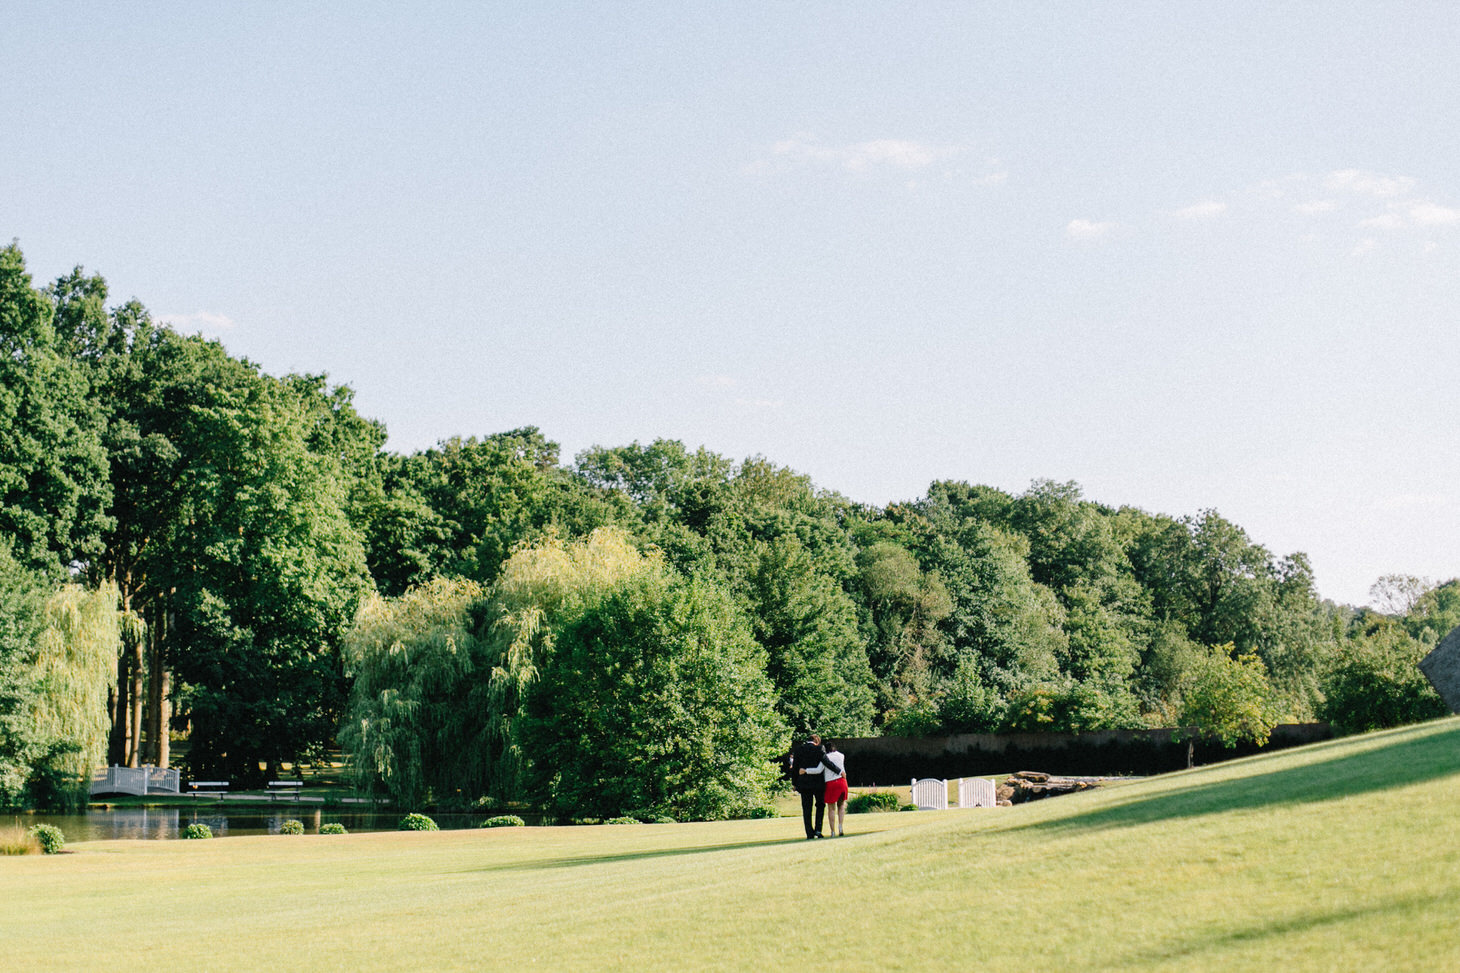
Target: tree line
column 191, row 548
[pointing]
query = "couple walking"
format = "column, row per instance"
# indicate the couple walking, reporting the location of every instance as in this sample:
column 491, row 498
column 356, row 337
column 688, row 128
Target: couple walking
column 819, row 774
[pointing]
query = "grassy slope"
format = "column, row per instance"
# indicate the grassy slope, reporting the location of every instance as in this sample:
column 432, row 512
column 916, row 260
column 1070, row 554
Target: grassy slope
column 1337, row 856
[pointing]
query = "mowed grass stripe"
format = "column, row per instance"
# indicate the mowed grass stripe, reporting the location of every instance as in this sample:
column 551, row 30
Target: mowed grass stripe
column 1337, row 856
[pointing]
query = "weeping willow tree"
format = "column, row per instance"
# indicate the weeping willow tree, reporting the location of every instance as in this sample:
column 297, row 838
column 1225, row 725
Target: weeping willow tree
column 442, row 673
column 413, row 659
column 75, row 660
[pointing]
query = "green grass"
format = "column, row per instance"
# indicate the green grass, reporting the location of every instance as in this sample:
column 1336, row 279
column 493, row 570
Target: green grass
column 1340, row 855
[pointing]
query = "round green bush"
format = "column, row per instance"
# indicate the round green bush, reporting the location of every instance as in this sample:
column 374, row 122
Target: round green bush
column 197, row 831
column 503, row 821
column 49, row 837
column 874, row 801
column 291, row 827
column 622, row 821
column 334, row 827
column 417, row 822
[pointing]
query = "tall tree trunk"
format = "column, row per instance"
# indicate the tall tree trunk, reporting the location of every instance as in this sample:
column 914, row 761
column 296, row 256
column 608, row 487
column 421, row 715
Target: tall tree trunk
column 159, row 686
column 118, row 745
column 138, row 664
column 164, row 717
column 114, row 706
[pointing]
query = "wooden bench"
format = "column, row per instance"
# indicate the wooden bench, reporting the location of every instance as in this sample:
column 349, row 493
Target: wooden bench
column 208, row 785
column 280, row 787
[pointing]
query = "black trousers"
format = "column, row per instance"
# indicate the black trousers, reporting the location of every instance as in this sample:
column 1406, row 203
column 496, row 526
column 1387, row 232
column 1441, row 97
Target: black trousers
column 817, row 794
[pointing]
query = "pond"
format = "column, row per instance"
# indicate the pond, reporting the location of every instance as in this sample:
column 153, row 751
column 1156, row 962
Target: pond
column 100, row 824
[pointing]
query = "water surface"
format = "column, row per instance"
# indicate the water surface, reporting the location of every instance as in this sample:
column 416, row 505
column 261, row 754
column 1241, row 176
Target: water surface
column 101, row 824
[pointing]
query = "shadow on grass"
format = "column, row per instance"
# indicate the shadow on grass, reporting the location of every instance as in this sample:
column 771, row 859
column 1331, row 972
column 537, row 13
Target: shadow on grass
column 1421, row 754
column 1205, row 943
column 641, row 855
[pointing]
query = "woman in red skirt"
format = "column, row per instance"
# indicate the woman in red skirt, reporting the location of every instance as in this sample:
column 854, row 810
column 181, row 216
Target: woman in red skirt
column 836, row 790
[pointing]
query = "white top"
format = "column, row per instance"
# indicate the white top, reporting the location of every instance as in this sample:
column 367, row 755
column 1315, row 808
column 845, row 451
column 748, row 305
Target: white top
column 835, row 765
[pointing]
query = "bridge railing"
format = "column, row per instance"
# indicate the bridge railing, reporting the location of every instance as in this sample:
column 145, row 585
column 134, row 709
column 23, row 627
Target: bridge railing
column 137, row 780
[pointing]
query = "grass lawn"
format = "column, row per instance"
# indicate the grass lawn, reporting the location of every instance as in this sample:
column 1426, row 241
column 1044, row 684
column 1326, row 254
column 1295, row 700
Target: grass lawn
column 1342, row 855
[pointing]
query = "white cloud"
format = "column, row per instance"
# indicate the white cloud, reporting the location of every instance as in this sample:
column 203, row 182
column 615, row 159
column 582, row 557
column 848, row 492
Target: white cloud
column 1202, row 211
column 718, row 381
column 1362, row 183
column 1088, row 229
column 763, row 404
column 1431, row 214
column 202, row 322
column 1364, row 246
column 1316, row 207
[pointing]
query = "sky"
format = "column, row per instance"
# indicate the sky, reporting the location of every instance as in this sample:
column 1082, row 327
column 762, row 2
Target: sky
column 1189, row 256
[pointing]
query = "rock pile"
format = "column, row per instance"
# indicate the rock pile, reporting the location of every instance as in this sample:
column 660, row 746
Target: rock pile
column 1031, row 785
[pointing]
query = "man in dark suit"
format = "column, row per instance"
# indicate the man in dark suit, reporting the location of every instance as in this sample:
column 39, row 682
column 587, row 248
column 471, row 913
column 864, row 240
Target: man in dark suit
column 808, row 777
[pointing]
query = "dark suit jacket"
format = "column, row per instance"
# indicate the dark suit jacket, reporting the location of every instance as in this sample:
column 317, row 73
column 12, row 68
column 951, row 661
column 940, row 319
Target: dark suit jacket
column 807, row 754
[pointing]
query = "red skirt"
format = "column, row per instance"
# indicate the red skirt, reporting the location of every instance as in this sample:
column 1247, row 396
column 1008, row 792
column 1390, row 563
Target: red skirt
column 836, row 790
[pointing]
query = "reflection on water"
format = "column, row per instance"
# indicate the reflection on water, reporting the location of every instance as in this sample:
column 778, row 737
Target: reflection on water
column 168, row 822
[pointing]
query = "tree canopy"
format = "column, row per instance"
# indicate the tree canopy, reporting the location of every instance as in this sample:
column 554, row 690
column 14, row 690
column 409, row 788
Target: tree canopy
column 192, row 548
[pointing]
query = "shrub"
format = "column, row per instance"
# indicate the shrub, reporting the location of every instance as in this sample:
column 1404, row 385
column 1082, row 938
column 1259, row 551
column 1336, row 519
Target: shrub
column 1375, row 682
column 661, row 819
column 761, row 812
column 49, row 837
column 503, row 821
column 622, row 821
column 334, row 827
column 417, row 822
column 17, row 841
column 874, row 801
column 291, row 826
column 197, row 831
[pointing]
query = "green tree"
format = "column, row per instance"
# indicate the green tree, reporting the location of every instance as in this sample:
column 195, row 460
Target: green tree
column 443, row 672
column 1435, row 613
column 815, row 657
column 656, row 702
column 1228, row 697
column 1374, row 682
column 22, row 599
column 1004, row 621
column 267, row 577
column 905, row 606
column 53, row 486
column 460, row 509
column 968, row 704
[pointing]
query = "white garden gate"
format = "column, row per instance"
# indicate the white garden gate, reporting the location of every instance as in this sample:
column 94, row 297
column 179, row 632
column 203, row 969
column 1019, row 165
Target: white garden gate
column 976, row 792
column 930, row 794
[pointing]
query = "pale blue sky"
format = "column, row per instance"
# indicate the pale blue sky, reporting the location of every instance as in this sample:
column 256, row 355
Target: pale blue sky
column 1187, row 255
